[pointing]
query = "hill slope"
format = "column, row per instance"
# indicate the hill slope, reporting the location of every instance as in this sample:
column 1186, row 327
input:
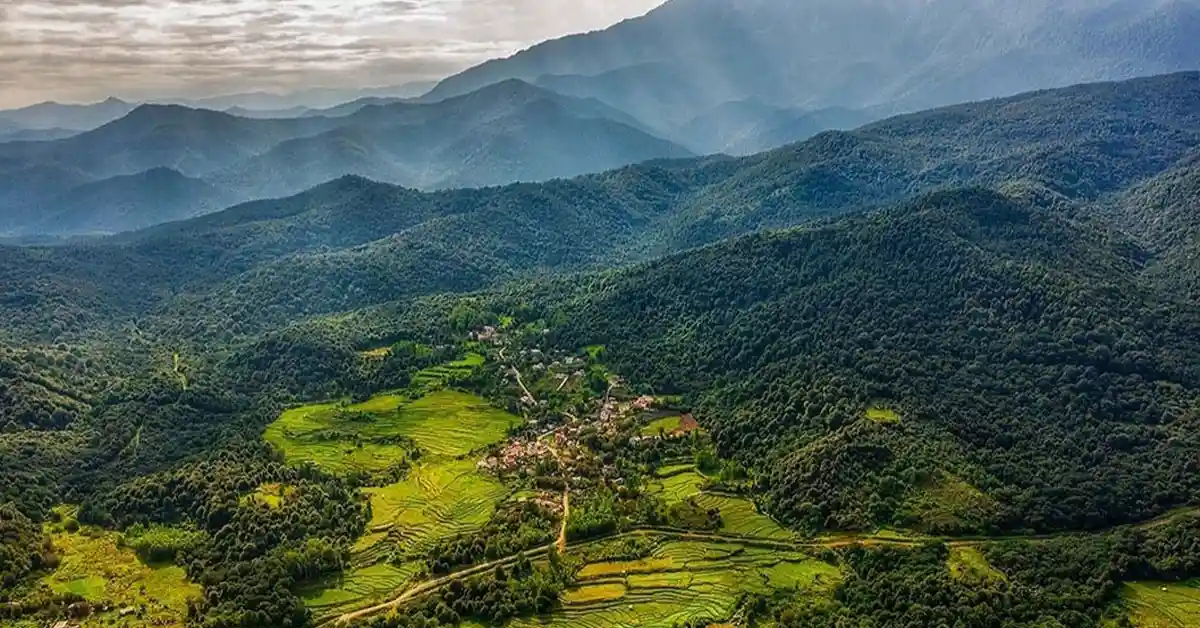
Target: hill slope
column 130, row 202
column 52, row 115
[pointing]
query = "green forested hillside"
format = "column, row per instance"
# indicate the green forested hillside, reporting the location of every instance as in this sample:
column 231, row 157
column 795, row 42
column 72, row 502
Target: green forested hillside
column 352, row 243
column 1039, row 381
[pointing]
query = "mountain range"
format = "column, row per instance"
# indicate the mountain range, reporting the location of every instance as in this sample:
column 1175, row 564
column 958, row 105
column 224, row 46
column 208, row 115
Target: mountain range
column 352, row 242
column 688, row 57
column 690, row 77
column 506, row 132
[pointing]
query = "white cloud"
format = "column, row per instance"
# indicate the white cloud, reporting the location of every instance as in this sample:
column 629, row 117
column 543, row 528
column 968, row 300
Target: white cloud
column 80, row 50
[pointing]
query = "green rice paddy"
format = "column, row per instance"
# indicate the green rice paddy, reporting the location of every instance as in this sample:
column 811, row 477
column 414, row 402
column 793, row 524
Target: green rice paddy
column 1162, row 604
column 682, row 581
column 364, row 437
column 442, row 495
column 445, row 374
column 357, row 587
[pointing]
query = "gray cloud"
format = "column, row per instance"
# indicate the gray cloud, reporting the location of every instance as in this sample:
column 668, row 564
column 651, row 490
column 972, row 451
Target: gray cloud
column 83, row 50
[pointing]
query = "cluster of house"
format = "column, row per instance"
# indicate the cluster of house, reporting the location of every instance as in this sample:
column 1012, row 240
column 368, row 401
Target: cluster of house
column 517, row 456
column 488, row 334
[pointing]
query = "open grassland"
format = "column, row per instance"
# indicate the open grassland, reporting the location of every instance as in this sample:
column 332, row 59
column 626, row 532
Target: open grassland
column 94, row 567
column 367, row 436
column 1163, row 605
column 682, row 581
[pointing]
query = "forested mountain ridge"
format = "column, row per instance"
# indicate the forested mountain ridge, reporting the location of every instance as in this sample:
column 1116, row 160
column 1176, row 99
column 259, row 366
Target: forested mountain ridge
column 1080, row 143
column 1020, row 351
column 506, row 132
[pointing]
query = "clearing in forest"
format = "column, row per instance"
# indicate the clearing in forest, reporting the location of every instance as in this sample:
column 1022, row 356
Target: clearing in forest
column 883, row 415
column 1163, row 604
column 93, row 566
column 662, row 427
column 272, row 494
column 683, row 581
column 371, row 436
column 970, row 566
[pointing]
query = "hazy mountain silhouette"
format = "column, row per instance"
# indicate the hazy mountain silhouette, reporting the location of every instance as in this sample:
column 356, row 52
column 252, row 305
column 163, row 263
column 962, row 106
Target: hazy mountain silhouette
column 689, row 56
column 510, row 131
column 51, row 115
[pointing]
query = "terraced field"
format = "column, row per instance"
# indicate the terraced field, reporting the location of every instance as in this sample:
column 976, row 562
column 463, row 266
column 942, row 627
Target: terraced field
column 94, row 567
column 682, row 581
column 1163, row 605
column 357, row 587
column 442, row 495
column 442, row 375
column 366, row 436
column 437, row 500
column 739, row 516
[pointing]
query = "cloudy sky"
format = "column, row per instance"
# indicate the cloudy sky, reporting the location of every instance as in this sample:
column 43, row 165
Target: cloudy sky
column 83, row 50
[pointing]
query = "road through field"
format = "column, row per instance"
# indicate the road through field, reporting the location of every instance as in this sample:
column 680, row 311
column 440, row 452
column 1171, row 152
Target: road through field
column 826, row 542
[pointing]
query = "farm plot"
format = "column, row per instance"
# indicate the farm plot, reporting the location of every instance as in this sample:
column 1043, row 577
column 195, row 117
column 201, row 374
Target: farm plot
column 94, row 567
column 1163, row 605
column 443, row 495
column 739, row 516
column 372, row 436
column 445, row 374
column 684, row 581
column 357, row 587
column 437, row 500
